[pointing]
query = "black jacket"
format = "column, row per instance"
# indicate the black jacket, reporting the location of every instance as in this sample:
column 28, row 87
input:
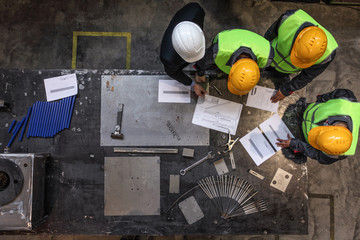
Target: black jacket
column 307, row 149
column 173, row 63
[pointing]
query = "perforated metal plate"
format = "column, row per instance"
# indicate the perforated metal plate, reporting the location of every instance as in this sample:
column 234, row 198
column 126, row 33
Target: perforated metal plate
column 132, row 186
column 145, row 121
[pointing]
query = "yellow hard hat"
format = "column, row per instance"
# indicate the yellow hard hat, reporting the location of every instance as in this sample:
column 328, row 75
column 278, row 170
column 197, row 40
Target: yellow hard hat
column 308, row 47
column 243, row 76
column 333, row 140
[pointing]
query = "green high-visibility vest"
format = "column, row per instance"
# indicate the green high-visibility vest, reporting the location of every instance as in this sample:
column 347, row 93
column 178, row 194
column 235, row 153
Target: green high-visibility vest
column 318, row 112
column 284, row 41
column 231, row 40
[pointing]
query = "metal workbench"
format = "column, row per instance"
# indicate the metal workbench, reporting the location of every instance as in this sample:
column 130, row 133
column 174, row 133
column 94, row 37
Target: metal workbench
column 74, row 187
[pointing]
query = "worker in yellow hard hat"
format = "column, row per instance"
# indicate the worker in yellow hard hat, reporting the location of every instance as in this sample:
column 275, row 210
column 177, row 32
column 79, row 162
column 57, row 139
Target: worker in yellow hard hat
column 330, row 127
column 239, row 53
column 301, row 45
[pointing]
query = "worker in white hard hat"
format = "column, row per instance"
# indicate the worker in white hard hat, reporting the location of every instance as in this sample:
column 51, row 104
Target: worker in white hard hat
column 184, row 43
column 330, row 128
column 239, row 53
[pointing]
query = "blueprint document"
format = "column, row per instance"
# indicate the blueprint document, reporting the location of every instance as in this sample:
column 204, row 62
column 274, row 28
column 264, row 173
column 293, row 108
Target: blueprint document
column 259, row 97
column 257, row 146
column 174, row 92
column 60, row 87
column 260, row 148
column 217, row 114
column 275, row 128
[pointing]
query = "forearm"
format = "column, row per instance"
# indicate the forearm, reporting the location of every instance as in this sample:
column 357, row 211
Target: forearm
column 312, row 152
column 304, row 78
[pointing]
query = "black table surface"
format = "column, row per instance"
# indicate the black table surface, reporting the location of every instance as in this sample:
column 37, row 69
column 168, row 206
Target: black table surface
column 74, row 189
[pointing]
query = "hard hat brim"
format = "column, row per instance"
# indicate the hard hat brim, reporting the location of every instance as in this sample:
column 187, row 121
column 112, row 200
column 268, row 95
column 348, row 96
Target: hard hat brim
column 196, row 58
column 313, row 134
column 234, row 90
column 297, row 63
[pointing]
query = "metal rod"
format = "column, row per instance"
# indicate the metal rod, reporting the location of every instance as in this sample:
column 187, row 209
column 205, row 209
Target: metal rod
column 25, row 123
column 31, row 120
column 11, row 126
column 145, row 150
column 71, row 111
column 15, row 133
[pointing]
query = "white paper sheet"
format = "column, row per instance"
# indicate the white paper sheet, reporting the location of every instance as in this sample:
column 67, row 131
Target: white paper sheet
column 257, row 146
column 173, row 92
column 217, row 114
column 60, row 87
column 259, row 97
column 275, row 128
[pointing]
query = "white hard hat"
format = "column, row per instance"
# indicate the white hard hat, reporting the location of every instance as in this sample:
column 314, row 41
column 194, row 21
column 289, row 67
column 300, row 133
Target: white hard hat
column 188, row 41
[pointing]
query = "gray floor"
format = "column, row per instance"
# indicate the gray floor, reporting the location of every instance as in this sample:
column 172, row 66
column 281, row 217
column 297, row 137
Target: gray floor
column 39, row 35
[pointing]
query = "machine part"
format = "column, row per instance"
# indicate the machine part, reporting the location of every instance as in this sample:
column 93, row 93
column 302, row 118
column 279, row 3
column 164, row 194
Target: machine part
column 26, row 210
column 174, row 185
column 146, row 150
column 232, row 160
column 188, row 152
column 11, row 181
column 230, row 144
column 217, row 90
column 281, row 180
column 232, row 195
column 221, row 167
column 258, row 175
column 191, row 210
column 210, row 155
column 117, row 133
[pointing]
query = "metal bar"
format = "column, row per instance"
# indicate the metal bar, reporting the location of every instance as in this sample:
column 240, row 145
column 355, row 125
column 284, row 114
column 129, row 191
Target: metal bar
column 25, row 123
column 145, row 150
column 11, row 126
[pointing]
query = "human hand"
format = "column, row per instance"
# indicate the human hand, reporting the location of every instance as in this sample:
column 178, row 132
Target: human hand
column 284, row 143
column 200, row 78
column 277, row 97
column 199, row 90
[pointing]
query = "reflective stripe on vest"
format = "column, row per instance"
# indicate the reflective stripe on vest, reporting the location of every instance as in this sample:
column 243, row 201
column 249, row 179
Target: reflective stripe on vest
column 283, row 43
column 317, row 112
column 231, row 40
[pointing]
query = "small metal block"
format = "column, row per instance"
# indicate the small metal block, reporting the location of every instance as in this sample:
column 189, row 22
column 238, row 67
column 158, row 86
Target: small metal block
column 188, row 152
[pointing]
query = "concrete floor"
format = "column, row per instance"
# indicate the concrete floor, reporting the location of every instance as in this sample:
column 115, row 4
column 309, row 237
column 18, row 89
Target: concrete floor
column 38, row 35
